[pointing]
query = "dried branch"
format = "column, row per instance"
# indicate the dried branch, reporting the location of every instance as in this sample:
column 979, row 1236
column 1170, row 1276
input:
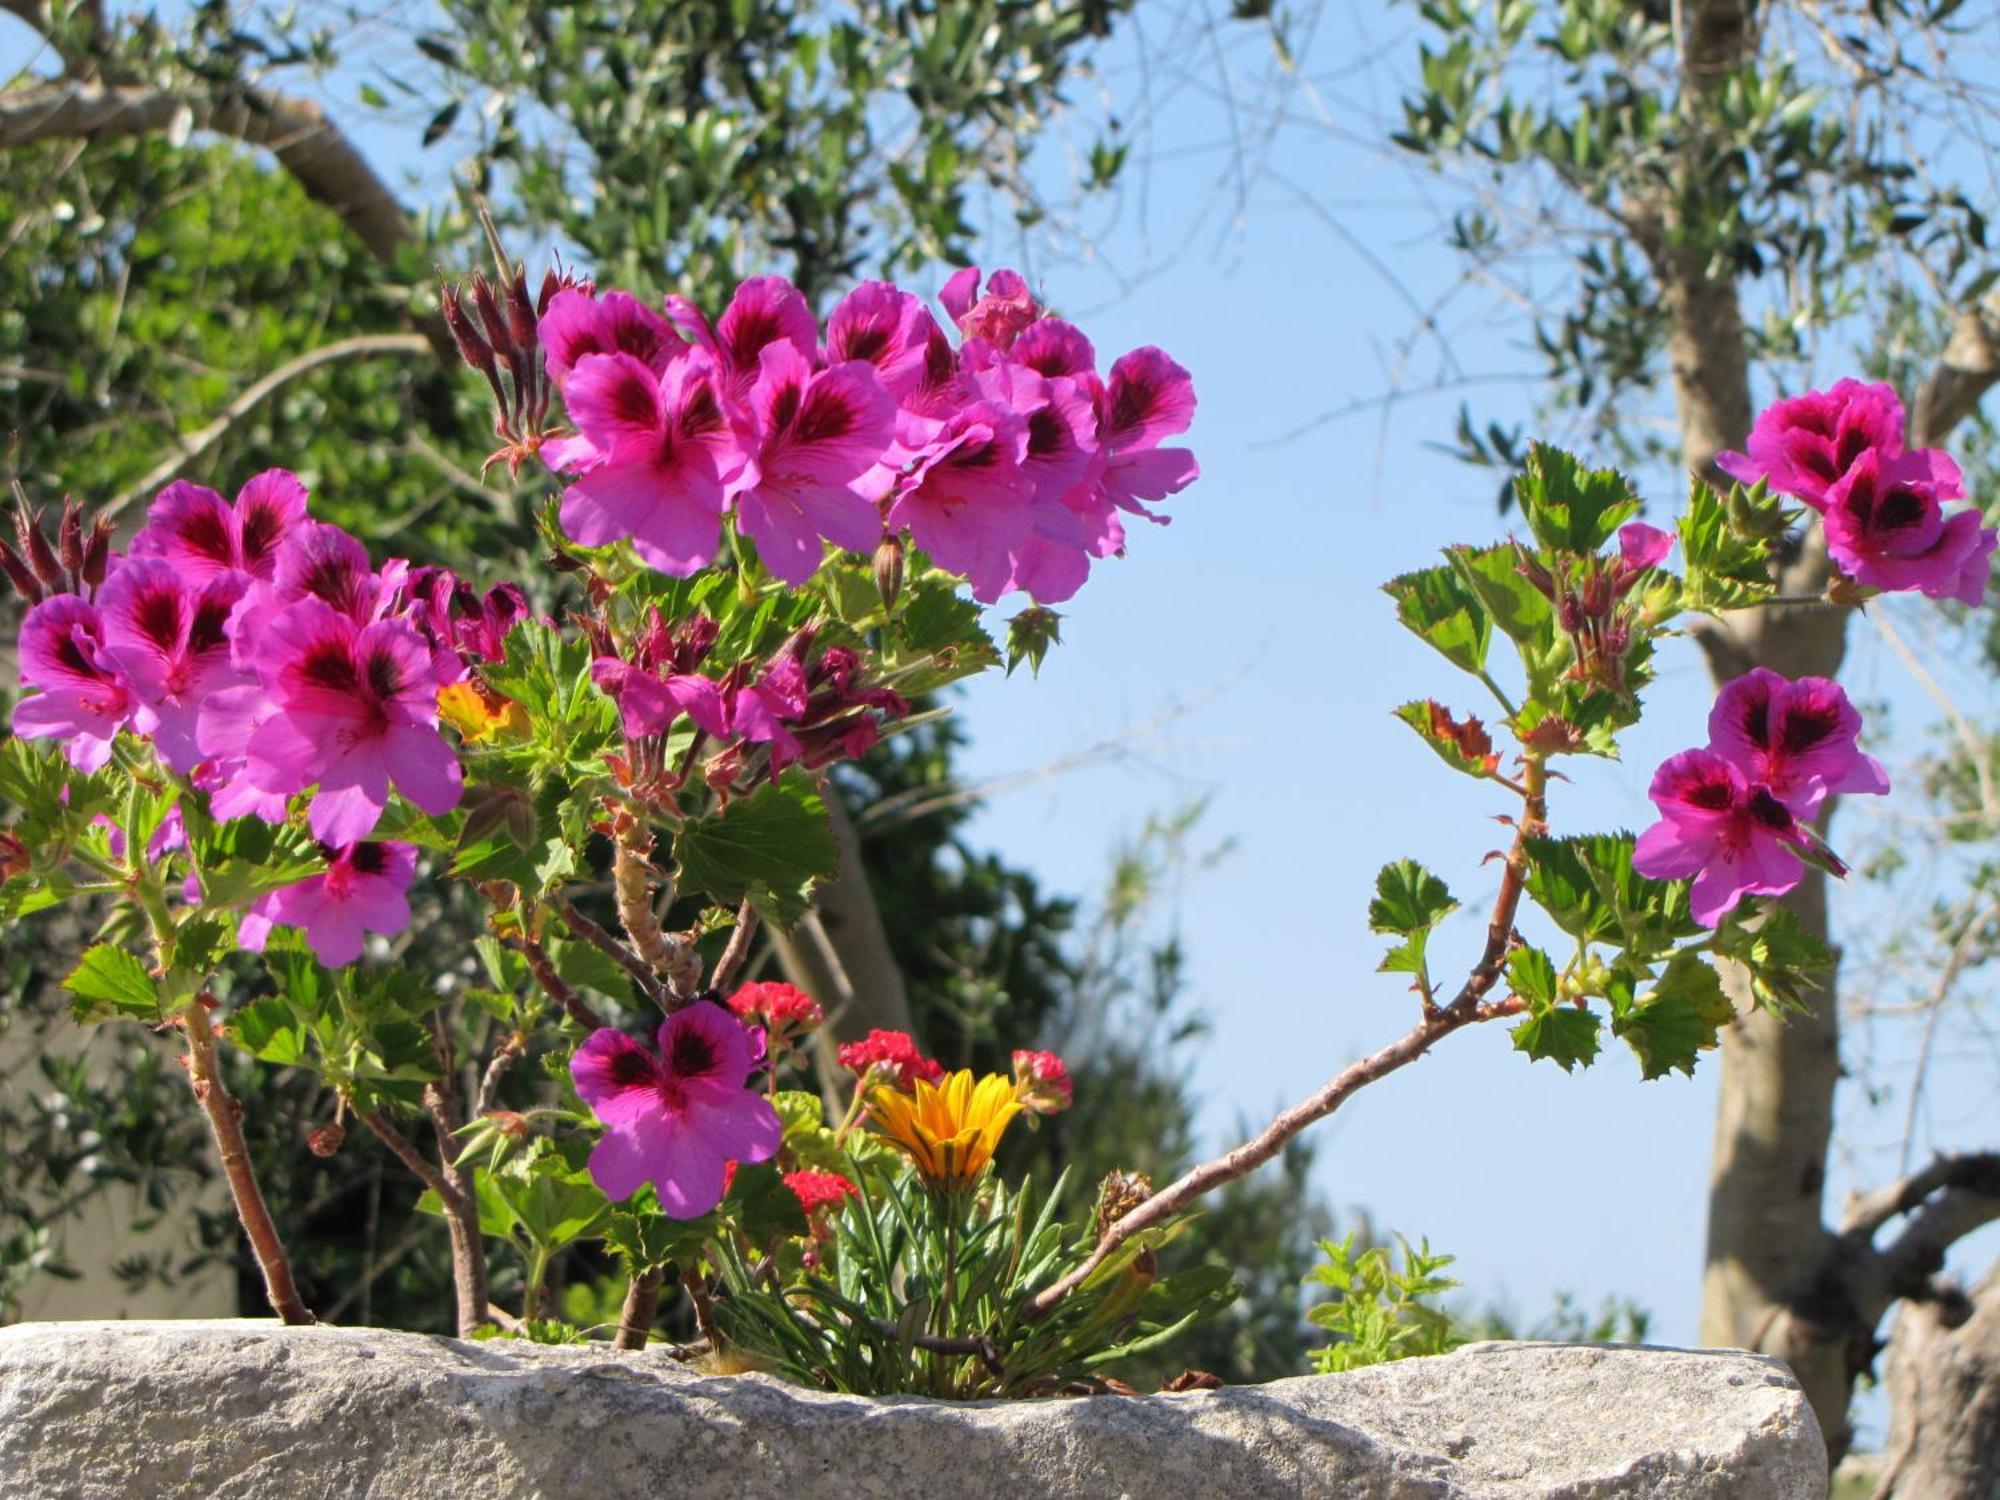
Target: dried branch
column 194, row 445
column 574, row 1005
column 401, row 1148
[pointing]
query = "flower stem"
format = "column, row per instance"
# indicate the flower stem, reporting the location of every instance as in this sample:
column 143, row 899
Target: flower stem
column 642, row 1305
column 225, row 1122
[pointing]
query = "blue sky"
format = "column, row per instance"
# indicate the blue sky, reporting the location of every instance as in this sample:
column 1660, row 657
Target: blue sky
column 1285, row 262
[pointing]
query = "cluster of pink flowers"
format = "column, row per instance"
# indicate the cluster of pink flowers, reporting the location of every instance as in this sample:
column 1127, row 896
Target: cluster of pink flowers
column 1005, row 456
column 1735, row 816
column 264, row 657
column 1841, row 452
column 1042, row 1082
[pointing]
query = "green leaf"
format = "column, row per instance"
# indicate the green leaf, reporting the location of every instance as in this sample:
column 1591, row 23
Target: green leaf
column 1463, row 745
column 1588, row 886
column 269, row 1029
column 248, row 858
column 1786, row 963
column 1516, row 605
column 1029, row 636
column 1409, row 902
column 772, row 846
column 1437, row 605
column 1679, row 1018
column 110, row 982
column 1723, row 568
column 1562, row 1034
column 1531, row 974
column 1568, row 507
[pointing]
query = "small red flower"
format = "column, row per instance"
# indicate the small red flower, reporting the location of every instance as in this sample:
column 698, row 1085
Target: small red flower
column 893, row 1056
column 779, row 1008
column 1042, row 1083
column 817, row 1190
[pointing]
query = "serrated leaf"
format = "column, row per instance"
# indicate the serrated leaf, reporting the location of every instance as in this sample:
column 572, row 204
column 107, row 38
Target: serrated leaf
column 1531, row 974
column 1439, row 607
column 1723, row 569
column 1786, row 963
column 1516, row 605
column 110, row 982
column 1464, row 745
column 268, row 1029
column 1561, row 1034
column 1588, row 886
column 1568, row 507
column 772, row 846
column 1409, row 902
column 1679, row 1018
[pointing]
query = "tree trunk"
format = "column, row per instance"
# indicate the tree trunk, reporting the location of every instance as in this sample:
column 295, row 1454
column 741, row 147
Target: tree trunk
column 1944, row 1389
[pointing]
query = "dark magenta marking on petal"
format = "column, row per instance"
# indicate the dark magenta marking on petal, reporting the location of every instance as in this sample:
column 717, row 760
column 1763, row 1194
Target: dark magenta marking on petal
column 368, row 859
column 629, row 1068
column 329, row 665
column 1807, row 725
column 263, row 529
column 1768, row 810
column 1715, row 794
column 385, row 678
column 205, row 532
column 156, row 615
column 692, row 1054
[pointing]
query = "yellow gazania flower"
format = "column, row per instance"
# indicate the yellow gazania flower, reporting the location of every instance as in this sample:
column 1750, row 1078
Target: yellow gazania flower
column 478, row 713
column 949, row 1129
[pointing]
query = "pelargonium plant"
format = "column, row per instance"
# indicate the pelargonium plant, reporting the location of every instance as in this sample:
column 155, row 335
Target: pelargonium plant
column 770, row 540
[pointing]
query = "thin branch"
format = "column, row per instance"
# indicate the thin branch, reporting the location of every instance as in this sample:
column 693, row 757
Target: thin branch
column 1468, row 1007
column 581, row 926
column 194, row 445
column 574, row 1005
column 401, row 1148
column 733, row 957
column 225, row 1122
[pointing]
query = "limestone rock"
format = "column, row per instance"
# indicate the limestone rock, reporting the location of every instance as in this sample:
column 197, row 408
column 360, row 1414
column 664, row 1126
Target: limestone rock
column 250, row 1411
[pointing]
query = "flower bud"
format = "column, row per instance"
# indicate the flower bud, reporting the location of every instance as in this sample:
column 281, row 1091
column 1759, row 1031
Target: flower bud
column 326, row 1140
column 36, row 547
column 97, row 552
column 1042, row 1083
column 471, row 347
column 69, row 539
column 889, row 570
column 19, row 574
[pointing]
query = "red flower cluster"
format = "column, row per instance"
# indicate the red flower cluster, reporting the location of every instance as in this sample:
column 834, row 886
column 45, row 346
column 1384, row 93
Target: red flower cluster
column 781, row 1009
column 1042, row 1083
column 818, row 1190
column 892, row 1056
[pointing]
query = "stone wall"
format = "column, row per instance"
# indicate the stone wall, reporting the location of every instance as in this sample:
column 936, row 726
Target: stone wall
column 249, row 1411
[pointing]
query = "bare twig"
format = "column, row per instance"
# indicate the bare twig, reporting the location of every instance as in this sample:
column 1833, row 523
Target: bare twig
column 461, row 1208
column 733, row 957
column 195, row 444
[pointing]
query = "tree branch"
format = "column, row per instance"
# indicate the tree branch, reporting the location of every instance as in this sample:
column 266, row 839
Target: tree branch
column 581, row 926
column 1977, row 1171
column 297, row 131
column 731, row 963
column 194, row 445
column 1964, row 373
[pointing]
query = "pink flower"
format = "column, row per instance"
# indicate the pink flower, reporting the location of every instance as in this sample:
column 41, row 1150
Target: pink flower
column 965, row 501
column 84, row 699
column 354, row 708
column 817, row 435
column 664, row 451
column 1042, row 1083
column 361, row 892
column 170, row 639
column 1733, row 837
column 580, row 323
column 676, row 1118
column 763, row 311
column 649, row 702
column 1799, row 738
column 1641, row 547
column 1886, row 528
column 999, row 315
column 1148, row 399
column 892, row 1056
column 201, row 534
column 1805, row 444
column 888, row 328
column 759, row 712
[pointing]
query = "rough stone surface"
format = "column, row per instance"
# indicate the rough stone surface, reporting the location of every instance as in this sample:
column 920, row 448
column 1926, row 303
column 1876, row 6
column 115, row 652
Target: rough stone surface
column 249, row 1411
